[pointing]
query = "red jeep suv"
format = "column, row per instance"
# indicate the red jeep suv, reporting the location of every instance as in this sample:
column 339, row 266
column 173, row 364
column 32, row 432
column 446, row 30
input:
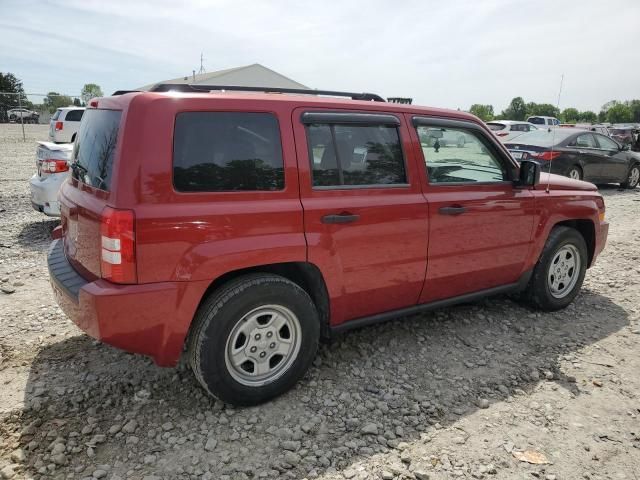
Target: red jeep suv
column 241, row 227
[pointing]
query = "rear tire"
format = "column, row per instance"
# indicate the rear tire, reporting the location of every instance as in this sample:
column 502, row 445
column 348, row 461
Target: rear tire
column 559, row 273
column 253, row 339
column 633, row 178
column 575, row 173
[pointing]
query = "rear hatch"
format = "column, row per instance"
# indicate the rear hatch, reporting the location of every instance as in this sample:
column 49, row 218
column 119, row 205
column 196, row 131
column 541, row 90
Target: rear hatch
column 84, row 198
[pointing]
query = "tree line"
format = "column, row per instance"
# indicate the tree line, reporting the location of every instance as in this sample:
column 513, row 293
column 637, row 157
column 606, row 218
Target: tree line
column 12, row 95
column 627, row 111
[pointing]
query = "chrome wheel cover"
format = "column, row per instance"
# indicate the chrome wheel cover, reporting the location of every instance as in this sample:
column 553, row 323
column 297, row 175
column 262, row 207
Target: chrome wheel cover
column 574, row 173
column 262, row 345
column 634, row 176
column 564, row 271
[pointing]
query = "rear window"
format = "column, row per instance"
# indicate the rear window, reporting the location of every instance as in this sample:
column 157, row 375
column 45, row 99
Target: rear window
column 93, row 152
column 536, row 120
column 56, row 114
column 74, row 116
column 496, row 126
column 227, row 151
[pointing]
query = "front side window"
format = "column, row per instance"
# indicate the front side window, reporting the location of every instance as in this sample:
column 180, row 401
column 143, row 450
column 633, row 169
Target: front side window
column 227, row 151
column 456, row 155
column 607, row 143
column 585, row 140
column 349, row 155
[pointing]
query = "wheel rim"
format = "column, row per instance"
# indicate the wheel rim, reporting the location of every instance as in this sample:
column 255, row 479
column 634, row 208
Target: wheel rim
column 574, row 173
column 634, row 176
column 564, row 271
column 263, row 345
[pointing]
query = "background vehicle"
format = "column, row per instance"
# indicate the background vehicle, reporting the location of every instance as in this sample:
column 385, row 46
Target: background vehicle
column 20, row 114
column 52, row 169
column 542, row 120
column 64, row 124
column 250, row 225
column 623, row 135
column 507, row 130
column 579, row 154
column 587, row 126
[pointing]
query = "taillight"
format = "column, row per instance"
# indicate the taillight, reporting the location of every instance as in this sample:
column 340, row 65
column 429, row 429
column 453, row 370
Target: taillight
column 118, row 248
column 59, row 126
column 54, row 166
column 502, row 134
column 547, row 156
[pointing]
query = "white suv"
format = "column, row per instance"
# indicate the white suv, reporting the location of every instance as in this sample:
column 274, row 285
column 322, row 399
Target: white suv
column 541, row 120
column 65, row 123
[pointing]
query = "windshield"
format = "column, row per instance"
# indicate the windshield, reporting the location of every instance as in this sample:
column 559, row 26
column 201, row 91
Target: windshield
column 95, row 146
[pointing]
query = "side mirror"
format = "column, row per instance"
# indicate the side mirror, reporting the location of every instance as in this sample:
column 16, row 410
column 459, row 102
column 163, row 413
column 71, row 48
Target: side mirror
column 624, row 147
column 529, row 173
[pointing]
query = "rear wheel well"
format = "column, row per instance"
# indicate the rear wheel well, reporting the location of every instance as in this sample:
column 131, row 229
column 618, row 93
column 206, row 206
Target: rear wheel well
column 588, row 232
column 304, row 274
column 73, row 137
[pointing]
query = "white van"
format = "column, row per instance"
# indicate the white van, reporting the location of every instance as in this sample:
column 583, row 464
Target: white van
column 64, row 124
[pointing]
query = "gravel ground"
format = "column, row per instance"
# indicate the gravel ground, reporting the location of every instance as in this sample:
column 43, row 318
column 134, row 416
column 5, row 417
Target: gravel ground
column 487, row 390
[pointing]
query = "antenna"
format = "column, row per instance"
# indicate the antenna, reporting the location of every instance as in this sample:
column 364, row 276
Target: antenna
column 201, row 64
column 553, row 138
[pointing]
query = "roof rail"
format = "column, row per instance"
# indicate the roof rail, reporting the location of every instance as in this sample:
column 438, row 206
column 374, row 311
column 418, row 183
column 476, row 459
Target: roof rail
column 165, row 87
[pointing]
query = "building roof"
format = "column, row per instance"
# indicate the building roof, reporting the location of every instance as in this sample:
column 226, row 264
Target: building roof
column 254, row 75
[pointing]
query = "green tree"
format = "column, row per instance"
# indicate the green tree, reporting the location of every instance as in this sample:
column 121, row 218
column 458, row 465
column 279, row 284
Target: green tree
column 54, row 100
column 15, row 93
column 602, row 116
column 619, row 113
column 77, row 102
column 484, row 112
column 544, row 109
column 634, row 106
column 588, row 116
column 517, row 110
column 570, row 115
column 89, row 91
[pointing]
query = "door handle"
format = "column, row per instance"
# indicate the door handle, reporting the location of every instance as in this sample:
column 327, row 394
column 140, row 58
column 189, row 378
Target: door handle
column 340, row 218
column 454, row 210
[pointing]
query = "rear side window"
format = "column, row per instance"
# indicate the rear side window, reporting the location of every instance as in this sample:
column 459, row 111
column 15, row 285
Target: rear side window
column 74, row 116
column 93, row 152
column 56, row 114
column 536, row 120
column 227, row 151
column 355, row 155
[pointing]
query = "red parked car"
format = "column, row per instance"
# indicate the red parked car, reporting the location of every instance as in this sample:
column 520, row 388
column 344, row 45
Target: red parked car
column 240, row 228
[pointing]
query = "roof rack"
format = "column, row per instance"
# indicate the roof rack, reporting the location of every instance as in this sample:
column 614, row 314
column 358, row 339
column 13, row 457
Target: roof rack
column 165, row 87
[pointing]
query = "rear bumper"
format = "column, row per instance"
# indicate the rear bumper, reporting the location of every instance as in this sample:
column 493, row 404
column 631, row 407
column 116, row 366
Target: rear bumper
column 44, row 193
column 150, row 319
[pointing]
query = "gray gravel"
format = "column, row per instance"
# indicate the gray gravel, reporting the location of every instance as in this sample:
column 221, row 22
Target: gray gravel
column 464, row 392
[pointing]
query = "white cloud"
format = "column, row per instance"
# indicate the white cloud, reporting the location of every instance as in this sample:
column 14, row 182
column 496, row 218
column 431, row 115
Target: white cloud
column 447, row 54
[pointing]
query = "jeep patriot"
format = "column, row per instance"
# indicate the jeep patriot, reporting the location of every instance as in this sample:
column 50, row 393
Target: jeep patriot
column 242, row 227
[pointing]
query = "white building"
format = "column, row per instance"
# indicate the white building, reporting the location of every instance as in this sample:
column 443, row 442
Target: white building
column 254, row 75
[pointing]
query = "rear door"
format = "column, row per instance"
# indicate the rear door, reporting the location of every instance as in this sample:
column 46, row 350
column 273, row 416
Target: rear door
column 365, row 216
column 480, row 225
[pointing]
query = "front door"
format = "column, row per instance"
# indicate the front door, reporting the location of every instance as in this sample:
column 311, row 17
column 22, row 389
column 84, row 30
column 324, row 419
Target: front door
column 481, row 225
column 614, row 162
column 365, row 217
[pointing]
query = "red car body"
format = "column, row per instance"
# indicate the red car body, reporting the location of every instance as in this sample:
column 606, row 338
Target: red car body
column 400, row 255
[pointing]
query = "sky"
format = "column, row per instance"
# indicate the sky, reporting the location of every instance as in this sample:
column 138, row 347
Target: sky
column 450, row 53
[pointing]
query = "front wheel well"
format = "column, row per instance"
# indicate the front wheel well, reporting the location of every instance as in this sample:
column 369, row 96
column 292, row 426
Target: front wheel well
column 587, row 229
column 305, row 274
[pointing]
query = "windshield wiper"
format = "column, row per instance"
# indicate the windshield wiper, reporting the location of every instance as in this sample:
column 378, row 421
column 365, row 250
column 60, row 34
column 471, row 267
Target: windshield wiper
column 78, row 169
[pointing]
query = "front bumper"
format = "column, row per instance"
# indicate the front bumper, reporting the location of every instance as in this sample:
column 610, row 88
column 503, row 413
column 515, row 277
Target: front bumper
column 151, row 319
column 44, row 193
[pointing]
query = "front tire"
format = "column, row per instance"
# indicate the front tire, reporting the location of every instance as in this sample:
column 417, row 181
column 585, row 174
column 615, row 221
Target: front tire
column 575, row 173
column 633, row 178
column 559, row 273
column 253, row 339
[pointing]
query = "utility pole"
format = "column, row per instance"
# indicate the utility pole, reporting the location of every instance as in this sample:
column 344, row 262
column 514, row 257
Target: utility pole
column 24, row 138
column 201, row 64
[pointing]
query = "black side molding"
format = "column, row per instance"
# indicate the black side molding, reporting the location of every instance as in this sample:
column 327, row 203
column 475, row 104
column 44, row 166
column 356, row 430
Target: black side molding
column 520, row 285
column 62, row 273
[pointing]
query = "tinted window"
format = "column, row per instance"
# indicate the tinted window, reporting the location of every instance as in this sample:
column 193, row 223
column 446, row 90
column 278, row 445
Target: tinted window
column 355, row 155
column 495, row 126
column 95, row 146
column 56, row 114
column 585, row 140
column 468, row 161
column 606, row 143
column 536, row 120
column 73, row 115
column 225, row 151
